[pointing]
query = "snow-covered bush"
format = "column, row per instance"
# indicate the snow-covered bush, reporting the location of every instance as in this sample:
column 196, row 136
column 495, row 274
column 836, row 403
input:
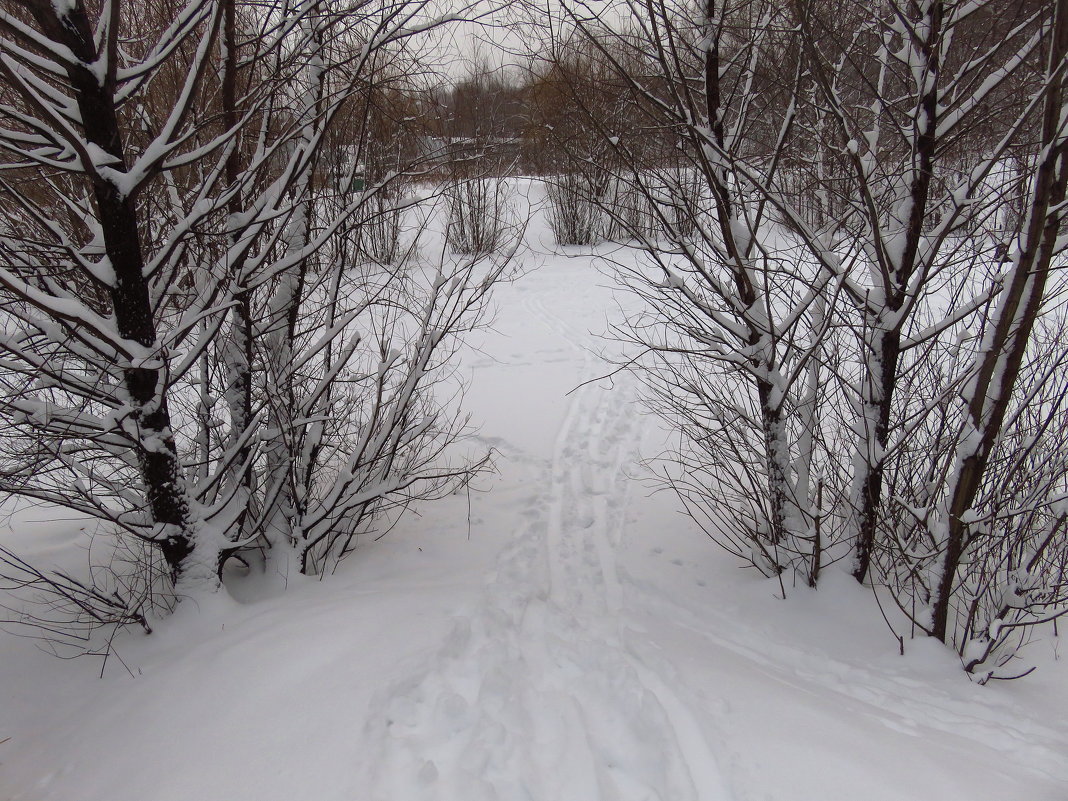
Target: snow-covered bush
column 632, row 206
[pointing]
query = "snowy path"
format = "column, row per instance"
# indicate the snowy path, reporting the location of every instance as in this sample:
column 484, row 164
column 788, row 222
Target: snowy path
column 603, row 663
column 537, row 695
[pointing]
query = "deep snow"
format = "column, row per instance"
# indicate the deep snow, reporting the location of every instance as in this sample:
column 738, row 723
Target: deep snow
column 562, row 634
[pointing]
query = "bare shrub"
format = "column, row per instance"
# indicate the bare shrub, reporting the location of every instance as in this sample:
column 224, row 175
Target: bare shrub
column 481, row 218
column 379, row 225
column 126, row 585
column 575, row 215
column 634, row 207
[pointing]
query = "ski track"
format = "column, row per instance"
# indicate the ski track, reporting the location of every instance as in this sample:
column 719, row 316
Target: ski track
column 900, row 703
column 537, row 694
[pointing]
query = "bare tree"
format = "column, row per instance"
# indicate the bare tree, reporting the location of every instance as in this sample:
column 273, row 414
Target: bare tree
column 993, row 412
column 104, row 364
column 194, row 352
column 735, row 318
column 907, row 126
column 873, row 185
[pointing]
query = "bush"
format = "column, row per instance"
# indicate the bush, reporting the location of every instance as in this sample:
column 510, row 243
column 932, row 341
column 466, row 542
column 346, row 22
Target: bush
column 481, row 219
column 378, row 226
column 575, row 218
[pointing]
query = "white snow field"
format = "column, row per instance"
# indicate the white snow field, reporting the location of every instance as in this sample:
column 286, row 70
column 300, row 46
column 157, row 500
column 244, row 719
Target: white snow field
column 560, row 635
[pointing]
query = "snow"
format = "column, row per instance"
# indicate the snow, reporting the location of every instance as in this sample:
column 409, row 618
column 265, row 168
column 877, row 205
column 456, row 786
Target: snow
column 560, row 634
column 63, row 7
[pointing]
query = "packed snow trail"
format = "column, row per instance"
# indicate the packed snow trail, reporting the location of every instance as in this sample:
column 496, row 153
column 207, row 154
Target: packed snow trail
column 537, row 695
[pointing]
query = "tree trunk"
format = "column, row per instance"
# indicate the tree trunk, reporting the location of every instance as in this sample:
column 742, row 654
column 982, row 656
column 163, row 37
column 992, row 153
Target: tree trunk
column 157, row 456
column 1002, row 356
column 237, row 348
column 880, row 401
column 897, row 278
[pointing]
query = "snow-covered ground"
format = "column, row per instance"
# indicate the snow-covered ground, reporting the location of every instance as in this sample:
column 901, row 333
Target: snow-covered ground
column 559, row 635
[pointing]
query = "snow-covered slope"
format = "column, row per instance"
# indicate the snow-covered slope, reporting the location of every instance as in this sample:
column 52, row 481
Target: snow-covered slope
column 560, row 635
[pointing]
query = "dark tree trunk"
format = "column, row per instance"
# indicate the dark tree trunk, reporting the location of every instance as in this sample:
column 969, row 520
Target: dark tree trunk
column 1019, row 308
column 131, row 304
column 897, row 279
column 871, row 489
column 239, row 345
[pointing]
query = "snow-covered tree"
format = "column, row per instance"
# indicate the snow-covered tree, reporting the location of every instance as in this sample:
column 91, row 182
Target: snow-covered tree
column 856, row 240
column 735, row 319
column 193, row 349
